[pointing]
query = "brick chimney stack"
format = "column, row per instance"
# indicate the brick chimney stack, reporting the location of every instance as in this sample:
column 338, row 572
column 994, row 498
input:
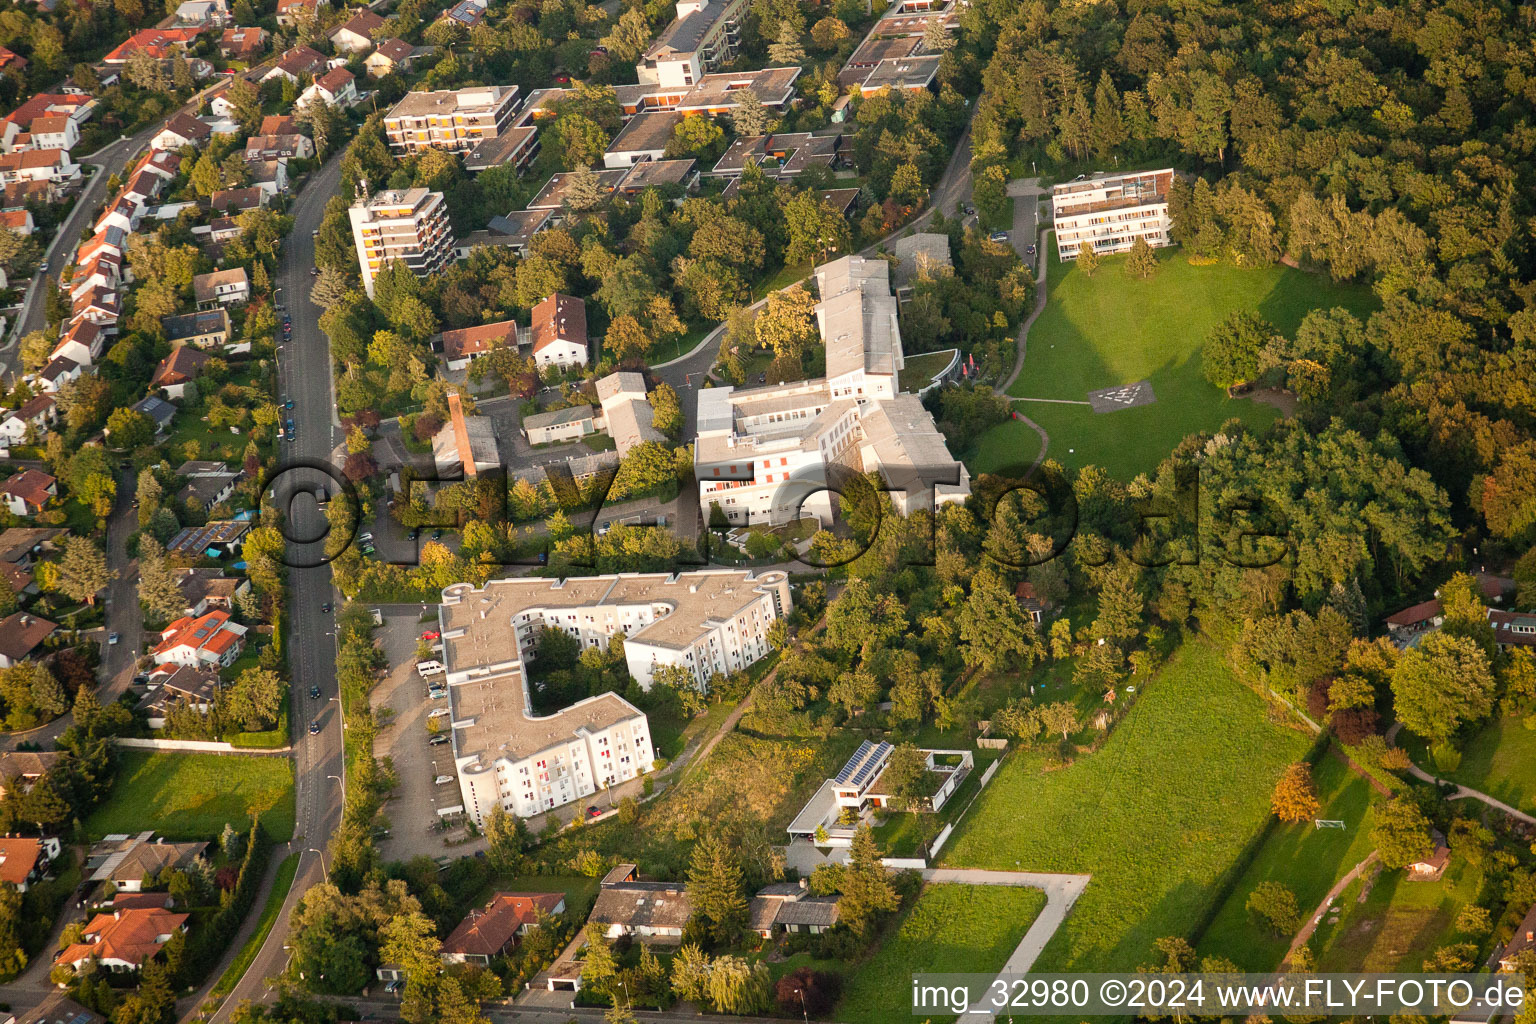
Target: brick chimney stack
column 461, row 434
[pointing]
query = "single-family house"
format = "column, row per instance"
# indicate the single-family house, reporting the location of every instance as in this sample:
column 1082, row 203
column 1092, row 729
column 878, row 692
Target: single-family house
column 1513, row 629
column 463, row 346
column 177, row 370
column 12, row 62
column 291, row 12
column 297, row 65
column 159, row 411
column 269, row 176
column 170, row 686
column 355, row 35
column 336, row 87
column 28, row 492
column 83, row 341
column 209, row 639
column 33, row 418
column 50, row 165
column 21, row 634
column 488, row 933
column 389, row 56
column 24, row 860
column 1031, row 603
column 560, row 332
column 158, row 43
column 112, row 242
column 222, row 288
column 244, row 44
column 270, row 147
column 203, row 12
column 237, row 200
column 208, row 483
column 211, row 540
column 55, row 131
column 208, row 328
column 20, row 769
column 57, row 1008
column 205, row 589
column 124, row 940
column 180, row 131
column 651, row 910
column 1523, row 939
column 279, row 124
column 1418, row 618
column 59, row 371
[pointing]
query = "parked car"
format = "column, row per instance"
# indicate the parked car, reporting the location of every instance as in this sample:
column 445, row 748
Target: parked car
column 437, row 694
column 438, row 713
column 431, row 634
column 592, row 811
column 113, row 638
column 442, row 780
column 999, row 236
column 437, row 741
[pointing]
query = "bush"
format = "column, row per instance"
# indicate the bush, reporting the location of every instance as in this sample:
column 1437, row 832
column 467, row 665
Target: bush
column 1275, row 905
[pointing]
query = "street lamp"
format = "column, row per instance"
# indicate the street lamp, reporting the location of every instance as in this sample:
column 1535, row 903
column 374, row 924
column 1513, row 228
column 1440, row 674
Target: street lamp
column 343, row 784
column 323, row 868
column 803, row 1011
column 341, row 712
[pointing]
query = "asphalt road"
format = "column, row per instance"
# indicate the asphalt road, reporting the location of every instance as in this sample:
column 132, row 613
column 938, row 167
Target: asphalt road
column 304, row 371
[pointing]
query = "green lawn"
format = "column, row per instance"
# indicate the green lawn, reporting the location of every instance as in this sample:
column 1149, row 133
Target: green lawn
column 950, row 929
column 1157, row 815
column 920, row 370
column 1111, row 329
column 1499, row 761
column 1008, row 447
column 192, row 796
column 1399, row 924
column 1305, row 859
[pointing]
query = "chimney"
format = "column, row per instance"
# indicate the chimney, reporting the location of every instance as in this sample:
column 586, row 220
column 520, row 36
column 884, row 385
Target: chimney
column 461, row 434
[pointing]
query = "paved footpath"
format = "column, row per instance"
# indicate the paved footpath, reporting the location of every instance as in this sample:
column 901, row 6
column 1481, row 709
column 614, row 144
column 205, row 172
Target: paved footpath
column 1462, row 792
column 1061, row 892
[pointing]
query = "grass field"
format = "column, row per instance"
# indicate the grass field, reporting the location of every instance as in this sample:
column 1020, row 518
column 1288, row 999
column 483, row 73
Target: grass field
column 950, row 929
column 191, row 796
column 1157, row 815
column 1399, row 923
column 1111, row 329
column 919, row 370
column 1305, row 859
column 1499, row 761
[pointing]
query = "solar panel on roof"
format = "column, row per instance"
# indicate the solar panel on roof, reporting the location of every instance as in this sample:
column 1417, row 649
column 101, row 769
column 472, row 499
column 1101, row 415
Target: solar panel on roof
column 853, row 762
column 876, row 757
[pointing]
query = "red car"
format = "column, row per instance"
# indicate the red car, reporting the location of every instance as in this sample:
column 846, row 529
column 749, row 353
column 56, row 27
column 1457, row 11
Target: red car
column 431, row 634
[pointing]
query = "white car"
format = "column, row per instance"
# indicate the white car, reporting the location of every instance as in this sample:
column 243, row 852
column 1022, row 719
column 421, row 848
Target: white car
column 442, row 780
column 438, row 713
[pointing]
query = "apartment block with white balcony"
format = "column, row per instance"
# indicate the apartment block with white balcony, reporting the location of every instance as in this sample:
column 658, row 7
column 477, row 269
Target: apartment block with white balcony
column 401, row 224
column 457, row 120
column 703, row 36
column 708, row 622
column 1110, row 211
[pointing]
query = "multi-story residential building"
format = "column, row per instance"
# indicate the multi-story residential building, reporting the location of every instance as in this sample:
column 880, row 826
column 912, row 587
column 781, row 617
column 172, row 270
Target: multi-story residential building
column 707, row 622
column 702, row 37
column 209, row 639
column 1110, row 211
column 777, row 453
column 453, row 119
column 401, row 224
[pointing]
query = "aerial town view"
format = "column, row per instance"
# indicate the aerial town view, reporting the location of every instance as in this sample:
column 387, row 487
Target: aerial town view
column 648, row 511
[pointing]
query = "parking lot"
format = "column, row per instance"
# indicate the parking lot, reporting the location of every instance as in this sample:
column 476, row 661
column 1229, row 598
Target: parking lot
column 404, row 740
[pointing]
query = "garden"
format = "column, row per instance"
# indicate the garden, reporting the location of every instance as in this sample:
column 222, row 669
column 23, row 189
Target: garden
column 1110, row 329
column 193, row 796
column 1500, row 761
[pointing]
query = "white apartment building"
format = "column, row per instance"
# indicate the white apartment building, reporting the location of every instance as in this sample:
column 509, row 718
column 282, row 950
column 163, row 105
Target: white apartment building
column 701, row 38
column 1109, row 212
column 773, row 454
column 451, row 119
column 708, row 621
column 409, row 224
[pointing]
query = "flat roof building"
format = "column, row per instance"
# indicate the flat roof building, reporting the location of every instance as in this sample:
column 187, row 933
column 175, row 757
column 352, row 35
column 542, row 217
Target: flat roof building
column 1110, row 211
column 457, row 120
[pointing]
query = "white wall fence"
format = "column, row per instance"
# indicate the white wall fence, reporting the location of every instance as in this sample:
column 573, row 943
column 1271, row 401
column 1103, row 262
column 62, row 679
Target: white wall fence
column 198, row 746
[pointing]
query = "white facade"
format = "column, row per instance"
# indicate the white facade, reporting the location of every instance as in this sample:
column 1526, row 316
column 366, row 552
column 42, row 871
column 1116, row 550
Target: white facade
column 702, row 37
column 707, row 622
column 1110, row 211
column 773, row 454
column 409, row 225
